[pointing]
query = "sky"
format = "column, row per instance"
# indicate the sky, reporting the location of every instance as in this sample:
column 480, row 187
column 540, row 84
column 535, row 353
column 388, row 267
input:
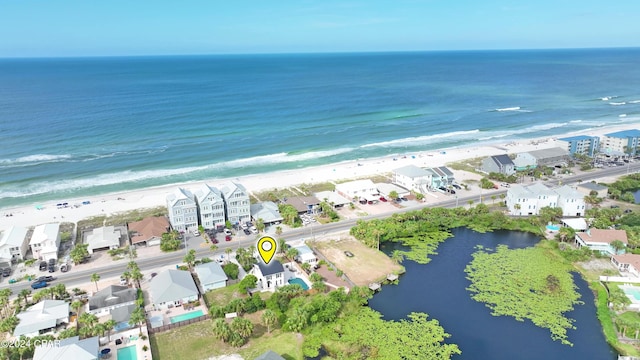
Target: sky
column 53, row 28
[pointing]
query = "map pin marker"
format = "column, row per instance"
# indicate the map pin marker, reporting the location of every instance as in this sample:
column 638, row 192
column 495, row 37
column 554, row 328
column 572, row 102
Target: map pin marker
column 266, row 248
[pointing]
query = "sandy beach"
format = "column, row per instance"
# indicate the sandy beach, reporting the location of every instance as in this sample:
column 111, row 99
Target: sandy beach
column 27, row 216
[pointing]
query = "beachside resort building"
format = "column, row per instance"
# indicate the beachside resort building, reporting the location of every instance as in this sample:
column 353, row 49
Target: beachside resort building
column 629, row 263
column 13, row 244
column 210, row 207
column 148, row 231
column 501, row 164
column 581, row 144
column 42, row 317
column 358, row 189
column 70, row 348
column 412, row 177
column 269, row 276
column 528, row 200
column 104, row 238
column 211, row 276
column 45, row 241
column 621, row 142
column 544, row 157
column 172, row 288
column 237, row 202
column 183, row 210
column 601, row 239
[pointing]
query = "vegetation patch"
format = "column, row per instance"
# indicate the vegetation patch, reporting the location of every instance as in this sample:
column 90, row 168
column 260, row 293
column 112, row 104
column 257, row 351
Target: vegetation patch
column 525, row 284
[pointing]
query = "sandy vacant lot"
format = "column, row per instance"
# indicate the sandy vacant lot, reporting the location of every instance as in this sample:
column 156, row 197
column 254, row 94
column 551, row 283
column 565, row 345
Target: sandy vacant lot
column 366, row 266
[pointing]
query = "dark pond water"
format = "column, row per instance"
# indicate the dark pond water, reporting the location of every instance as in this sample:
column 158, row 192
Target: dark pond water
column 439, row 289
column 636, row 196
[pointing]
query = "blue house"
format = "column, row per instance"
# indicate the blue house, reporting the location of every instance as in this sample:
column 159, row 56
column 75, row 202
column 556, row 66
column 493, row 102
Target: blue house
column 581, row 144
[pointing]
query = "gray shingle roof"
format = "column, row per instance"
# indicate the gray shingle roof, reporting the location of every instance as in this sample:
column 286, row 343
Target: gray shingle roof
column 112, row 295
column 502, row 159
column 122, row 313
column 274, row 267
column 270, row 355
column 171, row 285
column 412, row 171
column 210, row 273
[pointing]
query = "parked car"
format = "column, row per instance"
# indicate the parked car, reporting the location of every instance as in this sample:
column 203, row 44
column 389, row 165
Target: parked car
column 214, row 240
column 64, row 267
column 227, row 238
column 254, row 230
column 6, row 272
column 45, row 279
column 404, row 199
column 363, row 201
column 43, row 266
column 195, row 232
column 123, row 281
column 39, row 285
column 383, row 199
column 348, row 253
column 52, row 262
column 227, row 231
column 628, row 211
column 451, row 191
column 457, row 186
column 52, row 268
column 398, row 199
column 247, row 231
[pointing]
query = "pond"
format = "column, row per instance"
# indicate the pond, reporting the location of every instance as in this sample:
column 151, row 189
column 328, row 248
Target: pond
column 439, row 289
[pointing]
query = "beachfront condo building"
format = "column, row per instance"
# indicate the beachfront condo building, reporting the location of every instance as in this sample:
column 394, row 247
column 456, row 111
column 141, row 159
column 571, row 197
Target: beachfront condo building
column 183, row 210
column 237, row 202
column 582, row 144
column 211, row 212
column 501, row 164
column 621, row 142
column 528, row 200
column 45, row 241
column 13, row 244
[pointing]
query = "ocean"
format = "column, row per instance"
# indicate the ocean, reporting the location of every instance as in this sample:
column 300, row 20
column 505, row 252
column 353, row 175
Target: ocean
column 76, row 127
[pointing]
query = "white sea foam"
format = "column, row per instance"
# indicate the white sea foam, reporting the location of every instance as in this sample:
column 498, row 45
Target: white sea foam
column 617, row 103
column 418, row 140
column 622, row 115
column 515, row 108
column 634, row 102
column 279, row 158
column 36, row 158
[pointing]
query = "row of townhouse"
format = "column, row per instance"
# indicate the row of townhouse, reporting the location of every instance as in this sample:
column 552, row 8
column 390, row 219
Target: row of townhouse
column 528, row 200
column 208, row 206
column 44, row 243
column 503, row 164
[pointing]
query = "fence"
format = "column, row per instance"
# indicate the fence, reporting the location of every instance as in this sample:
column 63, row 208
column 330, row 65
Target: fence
column 166, row 327
column 621, row 279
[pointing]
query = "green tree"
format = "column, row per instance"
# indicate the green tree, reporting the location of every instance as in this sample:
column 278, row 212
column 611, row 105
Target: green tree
column 298, row 319
column 89, row 322
column 269, row 319
column 393, row 194
column 292, row 253
column 108, row 326
column 221, row 330
column 242, row 326
column 138, row 318
column 228, row 251
column 618, row 246
column 249, row 282
column 549, row 214
column 231, row 270
column 260, row 225
column 77, row 306
column 170, row 241
column 190, row 259
column 79, row 253
column 95, row 277
column 278, row 230
column 24, row 293
column 397, row 256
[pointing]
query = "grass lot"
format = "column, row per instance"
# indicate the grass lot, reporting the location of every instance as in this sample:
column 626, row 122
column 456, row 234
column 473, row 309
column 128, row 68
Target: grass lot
column 469, row 165
column 223, row 295
column 119, row 218
column 366, row 266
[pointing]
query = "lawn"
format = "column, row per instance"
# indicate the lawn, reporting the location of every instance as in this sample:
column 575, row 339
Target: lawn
column 196, row 341
column 223, row 295
column 366, row 266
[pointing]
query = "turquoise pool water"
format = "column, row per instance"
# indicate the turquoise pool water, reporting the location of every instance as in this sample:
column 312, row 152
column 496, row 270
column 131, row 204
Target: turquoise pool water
column 633, row 292
column 299, row 282
column 553, row 227
column 127, row 353
column 187, row 316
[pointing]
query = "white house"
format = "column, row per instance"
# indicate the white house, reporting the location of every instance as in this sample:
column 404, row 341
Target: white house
column 601, row 239
column 570, row 200
column 111, row 298
column 412, row 177
column 45, row 241
column 211, row 276
column 269, row 276
column 172, row 288
column 236, row 199
column 13, row 244
column 577, row 224
column 183, row 210
column 305, row 255
column 521, row 201
column 149, row 230
column 210, row 207
column 546, row 197
column 42, row 317
column 70, row 348
column 627, row 263
column 332, row 197
column 362, row 189
column 106, row 237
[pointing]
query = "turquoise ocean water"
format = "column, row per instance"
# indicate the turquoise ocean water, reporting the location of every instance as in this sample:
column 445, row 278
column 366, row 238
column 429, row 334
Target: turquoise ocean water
column 75, row 127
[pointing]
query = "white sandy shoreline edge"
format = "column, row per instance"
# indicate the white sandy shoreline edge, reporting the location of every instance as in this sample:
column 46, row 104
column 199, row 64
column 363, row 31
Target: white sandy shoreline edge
column 27, row 216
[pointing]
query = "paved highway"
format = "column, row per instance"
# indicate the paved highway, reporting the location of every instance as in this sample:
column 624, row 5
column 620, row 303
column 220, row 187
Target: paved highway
column 73, row 278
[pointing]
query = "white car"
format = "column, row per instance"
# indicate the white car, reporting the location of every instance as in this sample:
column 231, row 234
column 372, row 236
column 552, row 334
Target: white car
column 195, row 232
column 227, row 232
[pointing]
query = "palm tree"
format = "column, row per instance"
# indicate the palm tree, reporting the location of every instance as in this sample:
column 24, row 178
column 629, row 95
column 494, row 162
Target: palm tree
column 24, row 293
column 127, row 276
column 292, row 253
column 282, row 246
column 278, row 230
column 89, row 322
column 77, row 306
column 269, row 319
column 95, row 277
column 228, row 251
column 397, row 256
column 190, row 259
column 242, row 326
column 138, row 318
column 108, row 326
column 260, row 225
column 213, row 248
column 221, row 330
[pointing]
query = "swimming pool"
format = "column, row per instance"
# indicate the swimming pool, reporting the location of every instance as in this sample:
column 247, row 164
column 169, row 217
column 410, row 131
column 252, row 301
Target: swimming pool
column 187, row 316
column 553, row 227
column 634, row 292
column 299, row 282
column 128, row 353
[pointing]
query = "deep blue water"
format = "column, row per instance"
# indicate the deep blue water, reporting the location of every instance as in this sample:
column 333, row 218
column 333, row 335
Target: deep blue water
column 76, row 127
column 439, row 289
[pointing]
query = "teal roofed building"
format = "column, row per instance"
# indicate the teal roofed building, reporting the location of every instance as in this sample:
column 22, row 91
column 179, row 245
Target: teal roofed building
column 621, row 142
column 581, row 144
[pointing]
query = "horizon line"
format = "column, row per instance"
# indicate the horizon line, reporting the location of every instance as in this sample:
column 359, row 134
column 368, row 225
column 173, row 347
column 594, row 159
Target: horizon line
column 312, row 53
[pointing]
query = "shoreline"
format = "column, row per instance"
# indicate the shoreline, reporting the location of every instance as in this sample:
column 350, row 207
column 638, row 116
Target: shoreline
column 28, row 215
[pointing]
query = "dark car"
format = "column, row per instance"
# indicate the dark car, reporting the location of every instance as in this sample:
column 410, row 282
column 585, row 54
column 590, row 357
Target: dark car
column 398, row 199
column 457, row 186
column 628, row 211
column 451, row 191
column 214, row 240
column 404, row 199
column 39, row 285
column 247, row 232
column 45, row 279
column 52, row 262
column 52, row 268
column 363, row 201
column 43, row 266
column 6, row 272
column 348, row 253
column 227, row 238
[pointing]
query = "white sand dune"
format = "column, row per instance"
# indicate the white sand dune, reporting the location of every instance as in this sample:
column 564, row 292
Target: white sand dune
column 108, row 204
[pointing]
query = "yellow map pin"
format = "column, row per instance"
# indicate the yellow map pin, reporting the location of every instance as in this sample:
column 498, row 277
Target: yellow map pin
column 266, row 248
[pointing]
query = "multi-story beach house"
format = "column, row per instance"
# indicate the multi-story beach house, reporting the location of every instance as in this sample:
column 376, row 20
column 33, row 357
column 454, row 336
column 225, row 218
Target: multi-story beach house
column 211, row 214
column 601, row 239
column 358, row 189
column 440, row 177
column 621, row 142
column 528, row 200
column 45, row 241
column 183, row 210
column 13, row 244
column 412, row 177
column 236, row 199
column 629, row 263
column 501, row 164
column 271, row 276
column 543, row 157
column 581, row 144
